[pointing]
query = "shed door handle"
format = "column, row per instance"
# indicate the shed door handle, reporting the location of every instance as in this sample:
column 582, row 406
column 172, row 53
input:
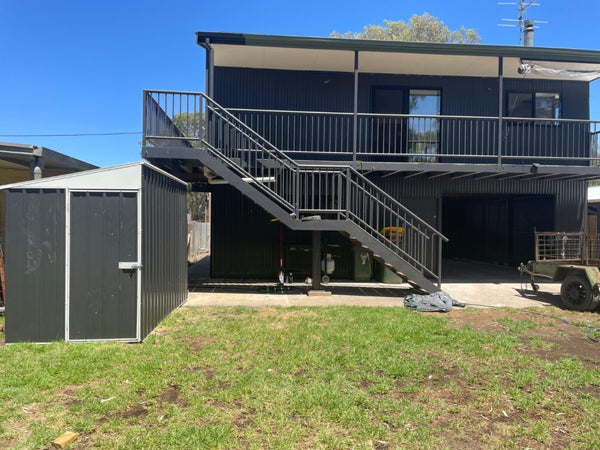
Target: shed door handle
column 129, row 265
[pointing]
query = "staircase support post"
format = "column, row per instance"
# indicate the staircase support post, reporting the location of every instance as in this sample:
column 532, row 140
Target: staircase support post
column 355, row 109
column 316, row 260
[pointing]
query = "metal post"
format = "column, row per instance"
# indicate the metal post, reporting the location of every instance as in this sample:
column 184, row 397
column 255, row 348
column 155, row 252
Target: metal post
column 355, row 107
column 316, row 260
column 37, row 164
column 500, row 108
column 210, row 69
column 348, row 179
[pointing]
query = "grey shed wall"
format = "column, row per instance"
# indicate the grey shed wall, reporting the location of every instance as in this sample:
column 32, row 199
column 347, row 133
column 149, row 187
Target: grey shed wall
column 164, row 247
column 104, row 232
column 35, row 265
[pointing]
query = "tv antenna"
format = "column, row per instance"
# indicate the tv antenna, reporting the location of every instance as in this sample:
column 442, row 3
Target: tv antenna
column 523, row 6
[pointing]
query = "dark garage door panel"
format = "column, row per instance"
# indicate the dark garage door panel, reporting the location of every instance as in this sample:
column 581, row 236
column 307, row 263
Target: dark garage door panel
column 102, row 297
column 496, row 229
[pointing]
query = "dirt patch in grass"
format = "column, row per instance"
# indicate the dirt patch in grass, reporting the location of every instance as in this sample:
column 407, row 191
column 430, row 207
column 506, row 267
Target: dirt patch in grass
column 136, row 411
column 287, row 313
column 198, row 343
column 172, row 394
column 564, row 340
column 245, row 419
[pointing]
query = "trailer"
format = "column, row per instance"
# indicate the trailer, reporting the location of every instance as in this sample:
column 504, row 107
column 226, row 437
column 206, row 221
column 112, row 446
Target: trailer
column 571, row 259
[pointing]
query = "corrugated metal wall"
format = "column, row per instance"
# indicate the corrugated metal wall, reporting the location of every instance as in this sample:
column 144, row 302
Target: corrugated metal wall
column 333, row 91
column 164, row 247
column 35, row 265
column 570, row 195
column 284, row 89
column 246, row 244
column 253, row 240
column 512, row 205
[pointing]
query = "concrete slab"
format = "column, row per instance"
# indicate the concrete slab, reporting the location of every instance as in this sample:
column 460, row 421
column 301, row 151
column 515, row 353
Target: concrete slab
column 476, row 284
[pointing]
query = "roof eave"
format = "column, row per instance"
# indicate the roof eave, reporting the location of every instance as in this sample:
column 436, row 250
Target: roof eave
column 534, row 53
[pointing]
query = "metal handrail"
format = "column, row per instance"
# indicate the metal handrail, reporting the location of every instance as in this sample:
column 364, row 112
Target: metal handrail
column 409, row 116
column 236, row 144
column 425, row 138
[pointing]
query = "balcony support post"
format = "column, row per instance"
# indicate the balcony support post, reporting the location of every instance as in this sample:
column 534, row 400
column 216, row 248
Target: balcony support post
column 500, row 108
column 210, row 69
column 355, row 108
column 316, row 260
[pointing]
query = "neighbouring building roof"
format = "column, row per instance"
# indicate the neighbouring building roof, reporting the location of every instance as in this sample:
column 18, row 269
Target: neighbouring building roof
column 333, row 54
column 20, row 156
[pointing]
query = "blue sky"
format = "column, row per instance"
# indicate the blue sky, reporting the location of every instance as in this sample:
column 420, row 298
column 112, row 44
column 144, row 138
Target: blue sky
column 75, row 66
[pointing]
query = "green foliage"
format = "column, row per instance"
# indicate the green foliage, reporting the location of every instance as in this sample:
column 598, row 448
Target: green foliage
column 424, row 28
column 197, row 203
column 189, row 124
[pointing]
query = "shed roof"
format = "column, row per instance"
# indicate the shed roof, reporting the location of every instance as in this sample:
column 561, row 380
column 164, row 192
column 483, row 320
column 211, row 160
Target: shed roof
column 376, row 56
column 122, row 177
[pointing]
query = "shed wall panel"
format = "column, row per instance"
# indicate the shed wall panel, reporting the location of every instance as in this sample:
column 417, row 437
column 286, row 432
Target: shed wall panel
column 164, row 248
column 35, row 265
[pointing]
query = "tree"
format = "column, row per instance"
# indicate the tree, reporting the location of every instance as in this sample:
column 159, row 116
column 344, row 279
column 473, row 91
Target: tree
column 190, row 124
column 425, row 28
column 197, row 203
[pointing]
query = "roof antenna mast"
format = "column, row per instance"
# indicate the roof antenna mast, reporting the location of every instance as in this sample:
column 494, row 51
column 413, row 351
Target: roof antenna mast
column 523, row 24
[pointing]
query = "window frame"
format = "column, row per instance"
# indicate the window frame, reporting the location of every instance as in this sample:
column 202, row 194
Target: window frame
column 533, row 107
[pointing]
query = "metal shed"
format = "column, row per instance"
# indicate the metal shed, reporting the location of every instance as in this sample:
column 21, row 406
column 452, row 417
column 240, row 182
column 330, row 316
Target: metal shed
column 96, row 255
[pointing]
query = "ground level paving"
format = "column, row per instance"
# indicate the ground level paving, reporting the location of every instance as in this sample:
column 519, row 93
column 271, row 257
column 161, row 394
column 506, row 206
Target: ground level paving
column 474, row 283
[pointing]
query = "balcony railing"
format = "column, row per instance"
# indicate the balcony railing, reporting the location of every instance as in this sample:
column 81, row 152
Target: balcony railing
column 178, row 118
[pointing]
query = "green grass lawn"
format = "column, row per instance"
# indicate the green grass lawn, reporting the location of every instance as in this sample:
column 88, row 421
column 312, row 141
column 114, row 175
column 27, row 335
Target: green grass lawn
column 337, row 377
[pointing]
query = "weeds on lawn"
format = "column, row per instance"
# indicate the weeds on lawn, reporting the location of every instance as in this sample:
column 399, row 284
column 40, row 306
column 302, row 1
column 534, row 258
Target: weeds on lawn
column 336, row 377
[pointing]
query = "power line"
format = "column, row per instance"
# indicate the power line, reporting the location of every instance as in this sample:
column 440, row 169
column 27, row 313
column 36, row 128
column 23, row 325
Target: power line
column 71, row 134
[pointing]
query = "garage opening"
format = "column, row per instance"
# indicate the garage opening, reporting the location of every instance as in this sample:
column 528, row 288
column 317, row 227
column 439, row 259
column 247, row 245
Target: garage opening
column 495, row 228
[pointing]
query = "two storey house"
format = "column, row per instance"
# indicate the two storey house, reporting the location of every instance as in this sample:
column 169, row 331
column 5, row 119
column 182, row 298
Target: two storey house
column 417, row 152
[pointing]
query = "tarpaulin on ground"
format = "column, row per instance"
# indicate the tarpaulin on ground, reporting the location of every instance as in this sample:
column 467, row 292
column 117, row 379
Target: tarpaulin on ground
column 436, row 302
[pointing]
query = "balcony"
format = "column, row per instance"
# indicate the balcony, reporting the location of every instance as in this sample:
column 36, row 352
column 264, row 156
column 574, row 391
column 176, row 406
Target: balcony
column 181, row 119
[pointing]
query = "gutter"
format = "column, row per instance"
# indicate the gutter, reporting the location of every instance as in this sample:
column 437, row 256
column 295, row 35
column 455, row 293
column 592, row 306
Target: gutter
column 266, row 40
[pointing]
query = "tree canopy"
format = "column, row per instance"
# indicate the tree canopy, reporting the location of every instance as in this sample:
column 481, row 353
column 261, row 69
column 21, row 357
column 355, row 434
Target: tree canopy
column 425, row 28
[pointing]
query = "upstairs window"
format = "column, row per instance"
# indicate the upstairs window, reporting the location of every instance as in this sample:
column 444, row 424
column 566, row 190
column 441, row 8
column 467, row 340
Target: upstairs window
column 542, row 105
column 547, row 106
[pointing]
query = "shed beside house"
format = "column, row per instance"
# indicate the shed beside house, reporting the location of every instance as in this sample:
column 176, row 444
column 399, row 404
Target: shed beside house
column 96, row 255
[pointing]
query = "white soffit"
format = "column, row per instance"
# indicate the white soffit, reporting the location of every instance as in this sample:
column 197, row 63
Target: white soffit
column 428, row 64
column 283, row 58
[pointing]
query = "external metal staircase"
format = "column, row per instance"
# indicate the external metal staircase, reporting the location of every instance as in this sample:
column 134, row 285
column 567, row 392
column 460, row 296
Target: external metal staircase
column 323, row 197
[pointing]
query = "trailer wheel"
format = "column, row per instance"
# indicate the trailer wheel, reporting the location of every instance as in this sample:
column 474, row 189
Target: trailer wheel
column 576, row 294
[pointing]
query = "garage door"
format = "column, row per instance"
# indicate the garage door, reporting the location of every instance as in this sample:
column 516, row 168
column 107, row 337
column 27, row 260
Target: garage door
column 496, row 229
